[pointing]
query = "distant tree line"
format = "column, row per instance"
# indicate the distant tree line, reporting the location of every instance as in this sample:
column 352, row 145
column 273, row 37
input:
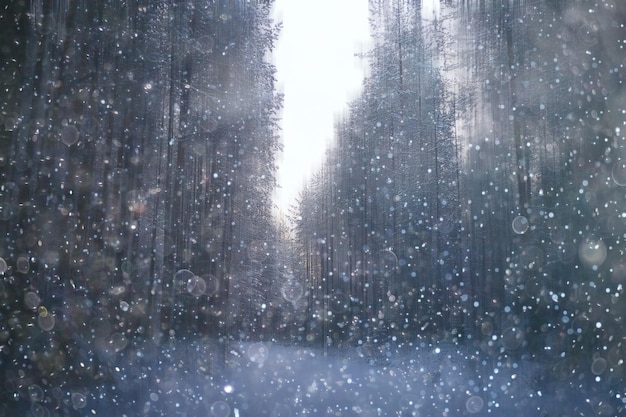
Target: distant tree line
column 474, row 192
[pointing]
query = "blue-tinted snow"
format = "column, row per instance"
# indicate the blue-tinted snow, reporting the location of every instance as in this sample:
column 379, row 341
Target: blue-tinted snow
column 184, row 378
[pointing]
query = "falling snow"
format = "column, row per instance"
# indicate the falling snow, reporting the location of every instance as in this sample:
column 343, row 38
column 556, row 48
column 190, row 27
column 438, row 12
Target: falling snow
column 459, row 251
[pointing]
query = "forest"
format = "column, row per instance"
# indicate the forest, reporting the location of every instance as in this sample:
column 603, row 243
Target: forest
column 472, row 201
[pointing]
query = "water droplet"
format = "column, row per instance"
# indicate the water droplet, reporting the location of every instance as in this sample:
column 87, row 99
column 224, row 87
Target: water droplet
column 181, row 279
column 258, row 353
column 196, row 286
column 117, row 290
column 3, row 266
column 619, row 173
column 586, row 34
column 220, row 409
column 35, row 393
column 57, row 393
column 78, row 400
column 592, row 252
column 22, row 264
column 385, row 262
column 520, row 225
column 31, row 300
column 292, row 290
column 474, row 404
column 512, row 338
column 208, row 123
column 212, row 285
column 11, row 121
column 117, row 342
column 257, row 250
column 127, row 267
column 598, row 366
column 38, row 410
column 124, row 306
column 69, row 135
column 45, row 321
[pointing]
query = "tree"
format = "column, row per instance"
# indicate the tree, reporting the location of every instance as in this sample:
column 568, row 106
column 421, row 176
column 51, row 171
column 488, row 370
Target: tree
column 138, row 175
column 391, row 184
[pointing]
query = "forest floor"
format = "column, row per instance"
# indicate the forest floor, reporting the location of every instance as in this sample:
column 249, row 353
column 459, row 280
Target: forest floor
column 270, row 379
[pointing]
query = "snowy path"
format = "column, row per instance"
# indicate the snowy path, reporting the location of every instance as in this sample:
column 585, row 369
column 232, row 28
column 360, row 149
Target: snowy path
column 266, row 379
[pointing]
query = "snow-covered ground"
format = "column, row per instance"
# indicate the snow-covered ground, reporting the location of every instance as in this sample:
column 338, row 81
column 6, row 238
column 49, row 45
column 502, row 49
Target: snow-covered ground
column 269, row 379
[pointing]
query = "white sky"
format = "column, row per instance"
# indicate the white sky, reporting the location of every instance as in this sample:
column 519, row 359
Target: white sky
column 318, row 72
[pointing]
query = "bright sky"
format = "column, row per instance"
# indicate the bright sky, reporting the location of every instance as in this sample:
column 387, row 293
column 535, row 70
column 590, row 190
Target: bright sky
column 318, row 72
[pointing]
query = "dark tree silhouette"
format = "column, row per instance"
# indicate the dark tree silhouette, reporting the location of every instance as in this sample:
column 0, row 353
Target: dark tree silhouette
column 138, row 143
